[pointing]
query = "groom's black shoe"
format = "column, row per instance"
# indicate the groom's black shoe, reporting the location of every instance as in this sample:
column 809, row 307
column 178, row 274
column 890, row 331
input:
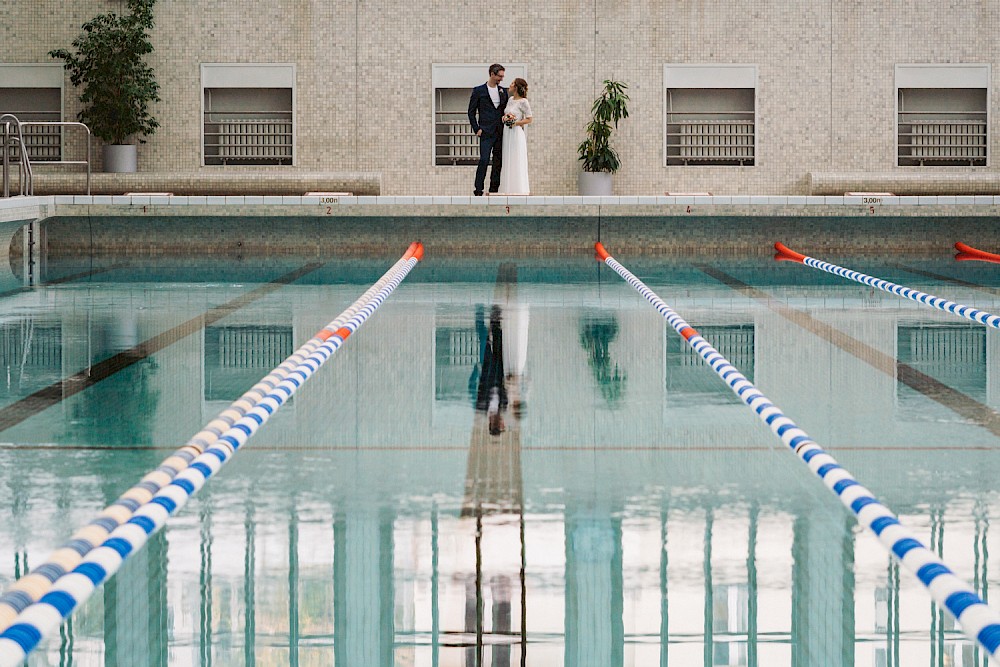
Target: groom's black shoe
column 478, row 193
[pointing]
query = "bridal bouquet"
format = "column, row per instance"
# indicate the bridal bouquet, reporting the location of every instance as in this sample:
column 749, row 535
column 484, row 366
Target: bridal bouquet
column 509, row 120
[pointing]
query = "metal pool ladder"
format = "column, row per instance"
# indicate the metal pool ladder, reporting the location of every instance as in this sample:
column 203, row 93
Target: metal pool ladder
column 16, row 139
column 24, row 164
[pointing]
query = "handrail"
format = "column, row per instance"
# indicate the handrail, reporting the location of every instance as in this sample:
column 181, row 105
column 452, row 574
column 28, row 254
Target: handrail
column 24, row 178
column 48, row 123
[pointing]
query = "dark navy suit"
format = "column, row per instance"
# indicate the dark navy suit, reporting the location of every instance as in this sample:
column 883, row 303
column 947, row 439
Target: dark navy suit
column 486, row 117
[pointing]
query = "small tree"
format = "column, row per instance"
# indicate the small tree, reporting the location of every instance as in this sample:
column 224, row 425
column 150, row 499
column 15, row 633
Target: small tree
column 118, row 86
column 612, row 106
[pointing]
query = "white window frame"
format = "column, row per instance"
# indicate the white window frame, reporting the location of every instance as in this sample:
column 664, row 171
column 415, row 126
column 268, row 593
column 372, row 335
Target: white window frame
column 942, row 75
column 692, row 75
column 464, row 75
column 248, row 75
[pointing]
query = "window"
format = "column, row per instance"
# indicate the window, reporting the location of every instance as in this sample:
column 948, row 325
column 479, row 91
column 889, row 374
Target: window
column 249, row 113
column 455, row 144
column 710, row 113
column 33, row 93
column 942, row 115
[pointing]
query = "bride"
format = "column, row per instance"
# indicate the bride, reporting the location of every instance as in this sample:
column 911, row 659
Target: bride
column 517, row 114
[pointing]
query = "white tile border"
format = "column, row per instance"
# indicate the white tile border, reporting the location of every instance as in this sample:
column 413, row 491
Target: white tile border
column 702, row 201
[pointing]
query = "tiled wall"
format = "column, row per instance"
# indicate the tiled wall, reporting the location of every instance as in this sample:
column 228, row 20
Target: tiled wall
column 257, row 234
column 364, row 99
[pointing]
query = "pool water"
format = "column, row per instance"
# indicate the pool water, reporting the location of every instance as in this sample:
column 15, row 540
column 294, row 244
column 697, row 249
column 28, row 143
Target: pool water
column 514, row 462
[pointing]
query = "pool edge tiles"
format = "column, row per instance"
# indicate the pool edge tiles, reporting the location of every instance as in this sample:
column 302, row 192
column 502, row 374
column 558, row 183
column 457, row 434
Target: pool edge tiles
column 501, row 205
column 633, row 230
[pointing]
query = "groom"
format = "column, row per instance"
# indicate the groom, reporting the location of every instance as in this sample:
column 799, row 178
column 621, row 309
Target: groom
column 488, row 102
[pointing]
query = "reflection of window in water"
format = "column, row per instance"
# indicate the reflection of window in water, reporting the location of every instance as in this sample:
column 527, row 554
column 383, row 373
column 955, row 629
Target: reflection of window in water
column 690, row 380
column 953, row 354
column 30, row 356
column 730, row 615
column 457, row 358
column 236, row 357
column 882, row 609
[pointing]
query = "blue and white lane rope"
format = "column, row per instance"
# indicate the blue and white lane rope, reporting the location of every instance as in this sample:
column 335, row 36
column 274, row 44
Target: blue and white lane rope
column 31, row 587
column 968, row 312
column 42, row 618
column 980, row 622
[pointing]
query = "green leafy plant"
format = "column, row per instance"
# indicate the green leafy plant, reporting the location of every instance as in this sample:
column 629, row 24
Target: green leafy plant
column 611, row 107
column 118, row 86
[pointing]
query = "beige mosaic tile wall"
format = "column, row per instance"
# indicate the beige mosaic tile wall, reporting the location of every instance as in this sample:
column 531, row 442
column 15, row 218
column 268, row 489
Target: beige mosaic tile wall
column 364, row 99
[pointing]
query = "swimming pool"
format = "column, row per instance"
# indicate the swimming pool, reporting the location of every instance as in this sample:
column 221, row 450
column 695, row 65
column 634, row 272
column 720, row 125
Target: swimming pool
column 628, row 511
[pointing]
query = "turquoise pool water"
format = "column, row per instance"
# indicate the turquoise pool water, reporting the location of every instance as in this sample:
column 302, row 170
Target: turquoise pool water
column 617, row 506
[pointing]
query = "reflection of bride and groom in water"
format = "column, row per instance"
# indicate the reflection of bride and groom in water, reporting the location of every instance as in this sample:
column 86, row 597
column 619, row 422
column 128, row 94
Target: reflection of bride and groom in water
column 493, row 481
column 499, row 387
column 503, row 349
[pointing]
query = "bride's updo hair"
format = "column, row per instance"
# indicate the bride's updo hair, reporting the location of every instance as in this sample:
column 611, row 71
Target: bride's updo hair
column 521, row 86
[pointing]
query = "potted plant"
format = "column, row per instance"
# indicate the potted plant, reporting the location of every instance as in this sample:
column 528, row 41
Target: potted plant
column 599, row 159
column 118, row 86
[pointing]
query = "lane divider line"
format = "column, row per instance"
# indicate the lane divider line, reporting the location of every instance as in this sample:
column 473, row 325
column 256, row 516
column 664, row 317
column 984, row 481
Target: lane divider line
column 968, row 312
column 967, row 253
column 980, row 622
column 967, row 407
column 24, row 408
column 30, row 588
column 149, row 503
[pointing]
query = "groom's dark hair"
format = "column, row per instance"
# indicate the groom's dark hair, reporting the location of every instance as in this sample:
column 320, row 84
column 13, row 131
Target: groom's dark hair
column 496, row 68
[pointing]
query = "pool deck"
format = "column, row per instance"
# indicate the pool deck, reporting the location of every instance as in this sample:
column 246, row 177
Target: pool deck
column 449, row 206
column 654, row 224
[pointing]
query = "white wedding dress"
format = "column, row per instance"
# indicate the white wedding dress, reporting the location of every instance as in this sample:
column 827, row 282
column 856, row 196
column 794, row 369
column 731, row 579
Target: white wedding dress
column 514, row 174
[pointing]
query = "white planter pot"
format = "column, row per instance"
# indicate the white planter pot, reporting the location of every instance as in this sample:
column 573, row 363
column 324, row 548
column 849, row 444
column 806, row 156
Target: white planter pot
column 594, row 184
column 120, row 159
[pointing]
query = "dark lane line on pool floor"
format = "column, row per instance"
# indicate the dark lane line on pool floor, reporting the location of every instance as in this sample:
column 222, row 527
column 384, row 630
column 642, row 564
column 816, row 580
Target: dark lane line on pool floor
column 948, row 279
column 30, row 405
column 969, row 408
